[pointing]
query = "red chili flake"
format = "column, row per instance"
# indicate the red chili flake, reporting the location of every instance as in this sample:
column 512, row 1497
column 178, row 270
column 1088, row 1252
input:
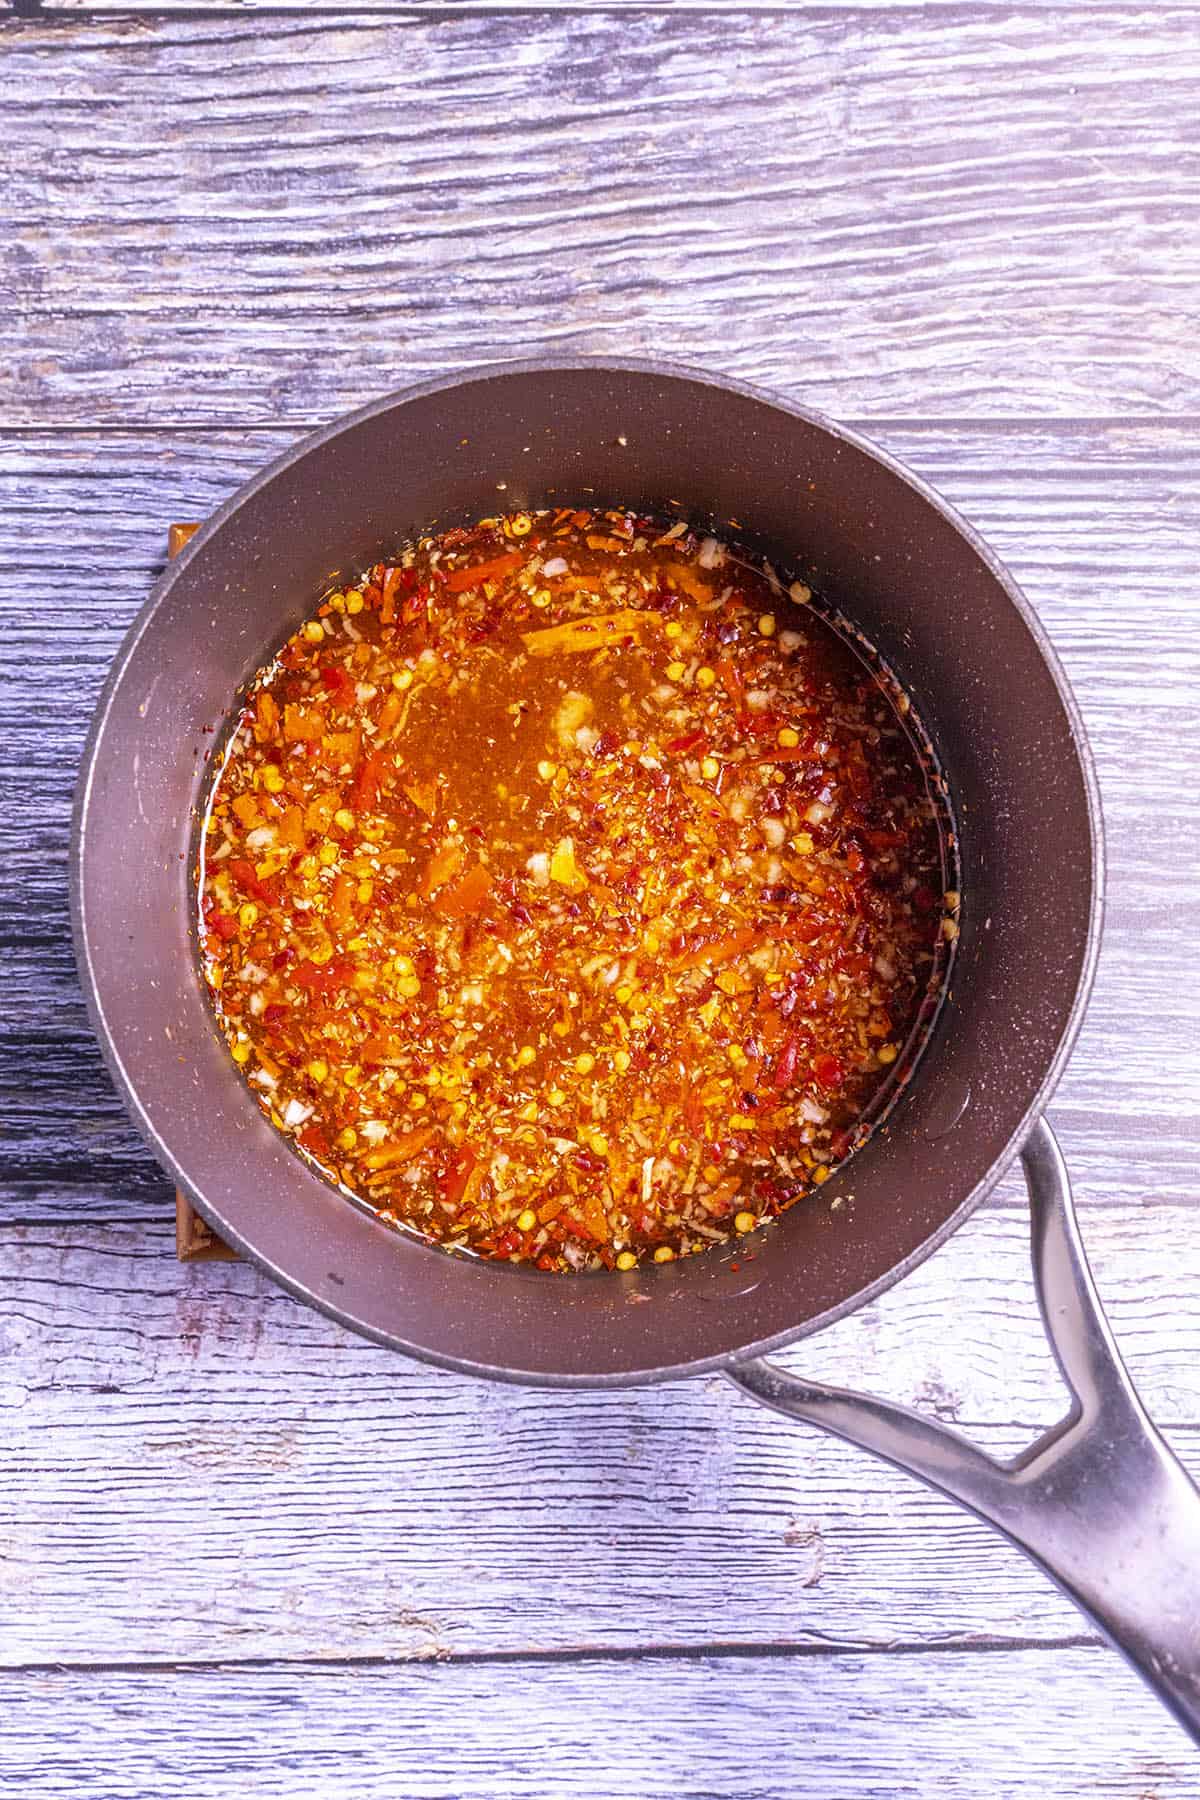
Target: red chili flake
column 324, row 979
column 314, row 1140
column 452, row 1183
column 393, row 581
column 243, row 873
column 364, row 789
column 690, row 740
column 338, row 679
column 785, row 1068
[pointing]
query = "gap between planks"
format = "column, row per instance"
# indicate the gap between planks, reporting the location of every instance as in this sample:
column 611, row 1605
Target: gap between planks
column 734, row 1650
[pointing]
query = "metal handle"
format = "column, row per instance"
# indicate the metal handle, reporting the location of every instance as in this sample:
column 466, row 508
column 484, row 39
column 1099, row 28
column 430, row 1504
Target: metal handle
column 1099, row 1501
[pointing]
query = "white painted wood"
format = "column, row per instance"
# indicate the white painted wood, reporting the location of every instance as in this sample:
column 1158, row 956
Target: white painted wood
column 924, row 212
column 451, row 9
column 927, row 1727
column 913, row 214
column 206, row 1469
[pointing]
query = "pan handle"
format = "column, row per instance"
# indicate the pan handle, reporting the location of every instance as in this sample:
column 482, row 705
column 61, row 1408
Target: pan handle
column 1099, row 1501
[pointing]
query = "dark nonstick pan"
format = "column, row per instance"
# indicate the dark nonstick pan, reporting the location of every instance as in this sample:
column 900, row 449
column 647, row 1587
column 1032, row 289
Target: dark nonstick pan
column 1099, row 1501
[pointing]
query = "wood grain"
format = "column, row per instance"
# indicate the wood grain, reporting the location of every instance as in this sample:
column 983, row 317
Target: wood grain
column 911, row 213
column 956, row 219
column 208, row 1470
column 445, row 9
column 1100, row 524
column 929, row 1727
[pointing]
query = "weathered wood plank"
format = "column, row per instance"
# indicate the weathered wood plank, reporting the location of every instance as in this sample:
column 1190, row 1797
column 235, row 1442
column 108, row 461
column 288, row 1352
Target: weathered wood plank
column 1100, row 524
column 208, row 1470
column 333, row 9
column 915, row 212
column 1074, row 1724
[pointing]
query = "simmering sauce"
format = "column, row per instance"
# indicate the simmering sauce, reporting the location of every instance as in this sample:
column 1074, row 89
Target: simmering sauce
column 569, row 891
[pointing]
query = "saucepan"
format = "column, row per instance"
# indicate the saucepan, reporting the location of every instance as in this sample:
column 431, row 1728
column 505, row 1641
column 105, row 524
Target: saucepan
column 1098, row 1501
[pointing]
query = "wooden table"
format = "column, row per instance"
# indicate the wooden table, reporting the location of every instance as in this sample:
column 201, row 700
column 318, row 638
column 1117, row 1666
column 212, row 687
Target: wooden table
column 243, row 1552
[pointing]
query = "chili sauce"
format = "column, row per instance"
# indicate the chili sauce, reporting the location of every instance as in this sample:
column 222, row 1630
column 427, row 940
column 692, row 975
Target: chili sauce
column 569, row 891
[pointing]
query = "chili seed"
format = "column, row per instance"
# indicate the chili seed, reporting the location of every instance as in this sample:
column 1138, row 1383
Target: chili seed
column 766, row 625
column 664, row 1253
column 626, row 1261
column 705, row 677
column 744, row 1221
column 526, row 1220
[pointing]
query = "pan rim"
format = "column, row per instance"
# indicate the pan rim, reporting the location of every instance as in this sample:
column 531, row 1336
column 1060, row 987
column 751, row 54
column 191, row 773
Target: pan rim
column 670, row 370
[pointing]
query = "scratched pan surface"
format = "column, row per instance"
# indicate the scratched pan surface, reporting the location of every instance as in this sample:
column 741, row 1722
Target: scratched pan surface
column 876, row 542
